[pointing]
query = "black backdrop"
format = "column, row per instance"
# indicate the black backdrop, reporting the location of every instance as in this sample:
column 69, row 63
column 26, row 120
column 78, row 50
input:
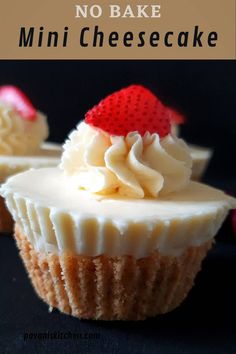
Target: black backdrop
column 203, row 90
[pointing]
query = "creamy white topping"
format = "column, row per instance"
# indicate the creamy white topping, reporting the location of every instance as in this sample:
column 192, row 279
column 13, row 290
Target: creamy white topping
column 19, row 136
column 133, row 166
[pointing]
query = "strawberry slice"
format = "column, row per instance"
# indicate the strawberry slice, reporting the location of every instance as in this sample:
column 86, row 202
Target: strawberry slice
column 134, row 108
column 175, row 117
column 19, row 101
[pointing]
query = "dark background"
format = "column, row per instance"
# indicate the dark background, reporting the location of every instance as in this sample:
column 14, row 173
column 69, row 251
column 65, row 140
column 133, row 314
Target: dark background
column 205, row 322
column 205, row 91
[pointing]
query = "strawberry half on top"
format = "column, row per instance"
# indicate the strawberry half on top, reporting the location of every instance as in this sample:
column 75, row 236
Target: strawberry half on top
column 134, row 108
column 19, row 101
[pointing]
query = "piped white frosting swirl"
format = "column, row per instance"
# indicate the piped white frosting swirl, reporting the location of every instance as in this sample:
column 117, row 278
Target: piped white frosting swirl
column 19, row 136
column 132, row 166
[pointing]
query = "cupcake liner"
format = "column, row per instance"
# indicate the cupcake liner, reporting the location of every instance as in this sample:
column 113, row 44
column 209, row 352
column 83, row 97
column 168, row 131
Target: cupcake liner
column 6, row 221
column 111, row 288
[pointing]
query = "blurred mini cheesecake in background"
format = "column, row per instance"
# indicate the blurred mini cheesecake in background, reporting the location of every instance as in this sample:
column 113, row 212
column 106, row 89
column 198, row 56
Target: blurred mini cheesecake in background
column 201, row 155
column 23, row 131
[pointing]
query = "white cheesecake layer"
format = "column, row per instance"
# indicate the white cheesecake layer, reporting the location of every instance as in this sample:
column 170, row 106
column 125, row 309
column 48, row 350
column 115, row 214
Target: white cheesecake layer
column 57, row 217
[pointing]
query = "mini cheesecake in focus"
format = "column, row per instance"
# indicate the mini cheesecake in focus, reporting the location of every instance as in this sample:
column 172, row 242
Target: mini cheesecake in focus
column 118, row 231
column 23, row 131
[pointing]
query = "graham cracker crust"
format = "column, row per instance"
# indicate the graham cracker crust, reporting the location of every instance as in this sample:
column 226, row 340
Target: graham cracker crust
column 111, row 288
column 6, row 221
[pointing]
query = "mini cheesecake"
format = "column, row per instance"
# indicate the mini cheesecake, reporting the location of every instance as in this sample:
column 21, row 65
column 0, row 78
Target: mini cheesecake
column 118, row 231
column 23, row 131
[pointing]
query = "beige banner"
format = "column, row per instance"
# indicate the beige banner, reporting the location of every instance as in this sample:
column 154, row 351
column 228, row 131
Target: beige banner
column 164, row 29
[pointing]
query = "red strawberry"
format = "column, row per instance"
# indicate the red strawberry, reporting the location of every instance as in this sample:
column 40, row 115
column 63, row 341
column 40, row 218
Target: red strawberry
column 175, row 117
column 134, row 108
column 19, row 101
